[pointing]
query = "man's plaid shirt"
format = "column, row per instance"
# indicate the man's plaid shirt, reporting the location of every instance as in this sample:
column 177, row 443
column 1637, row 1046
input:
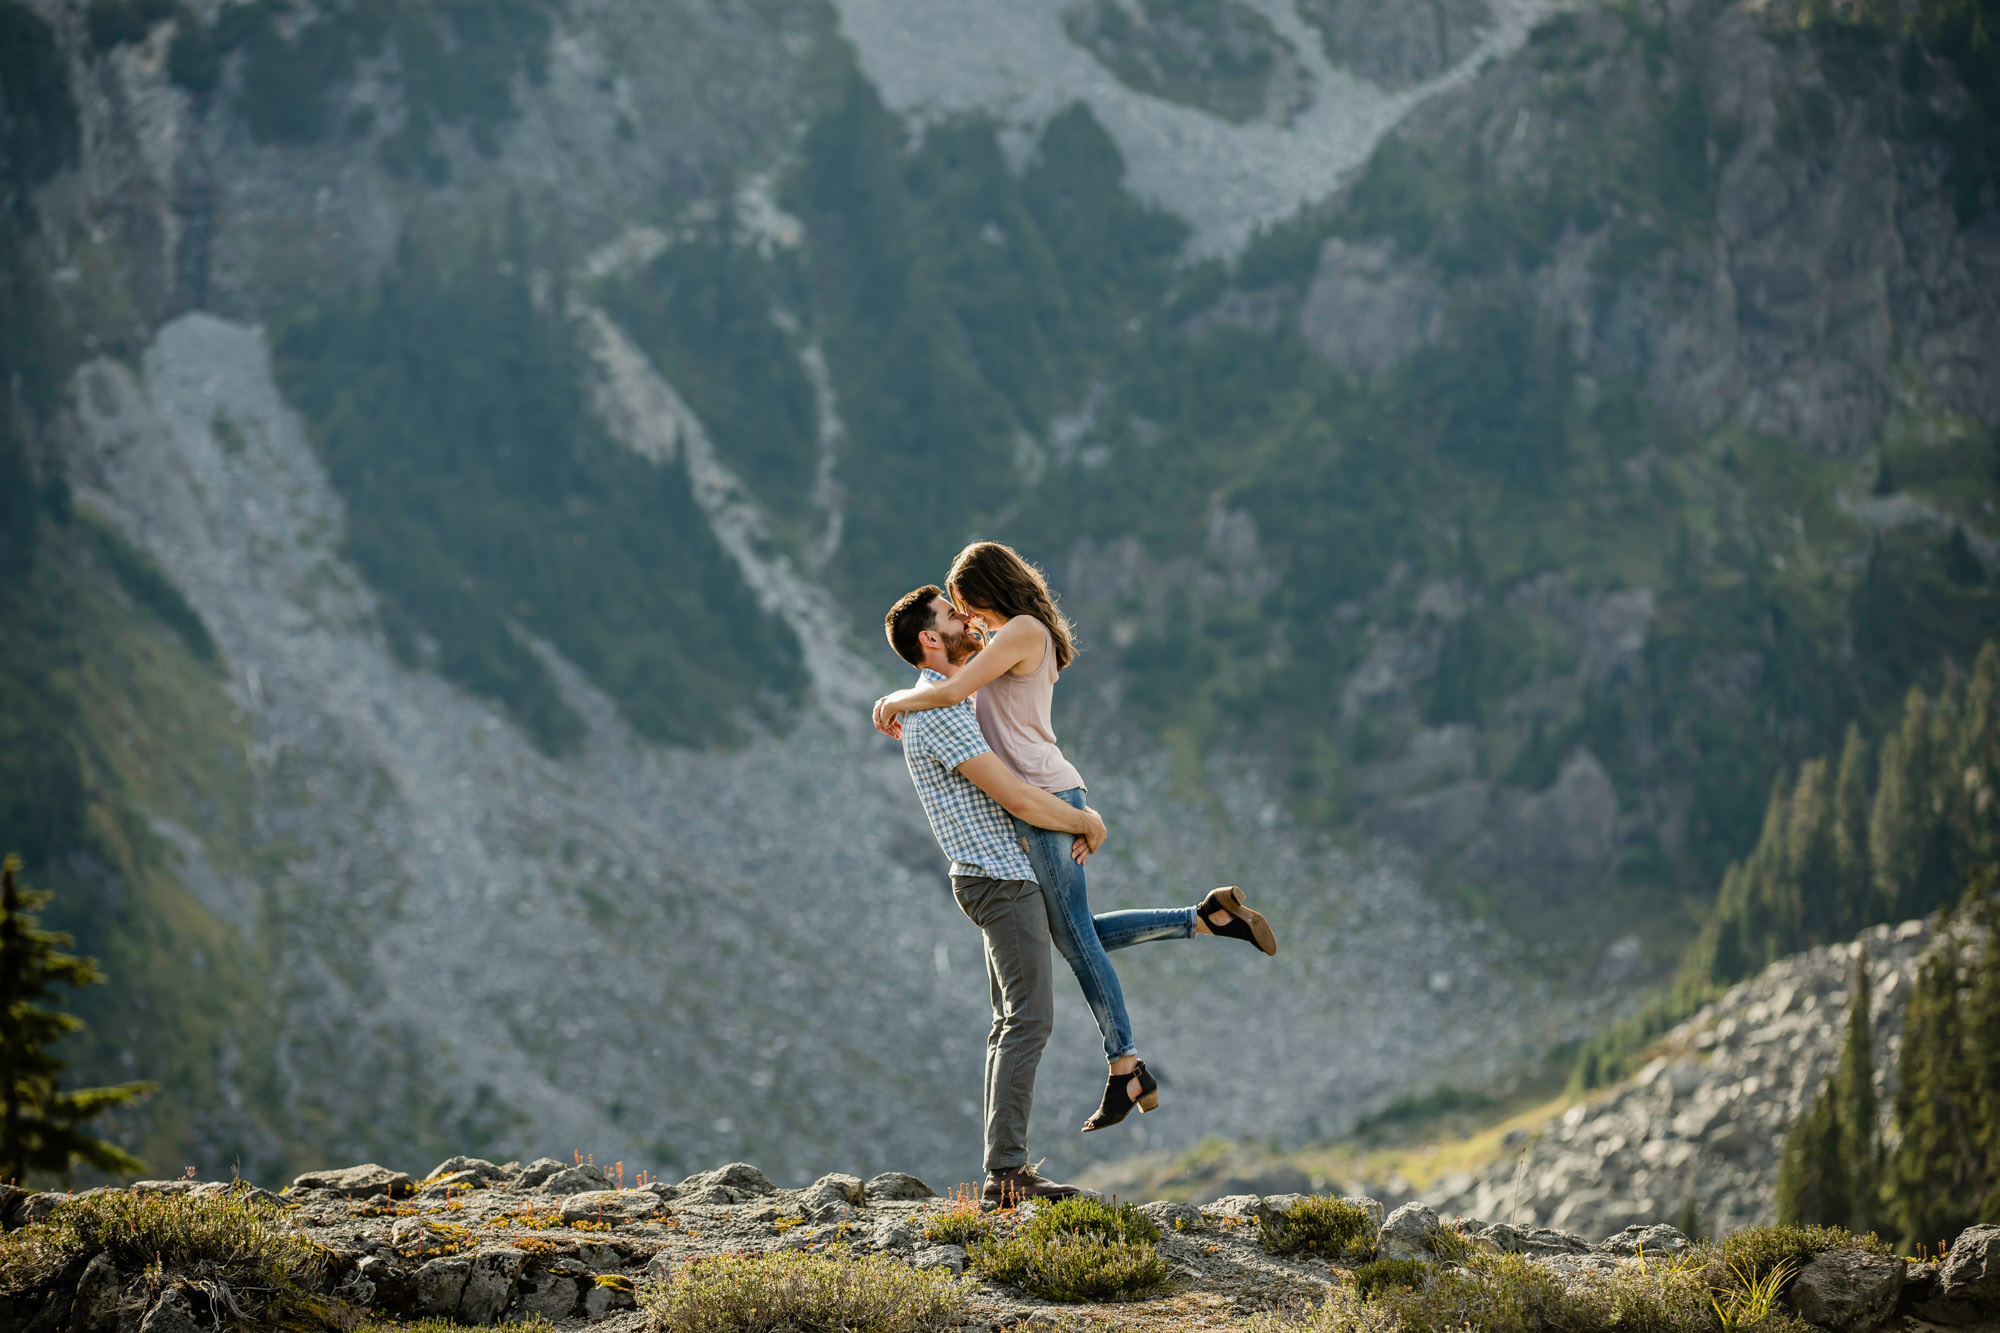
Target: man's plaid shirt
column 975, row 832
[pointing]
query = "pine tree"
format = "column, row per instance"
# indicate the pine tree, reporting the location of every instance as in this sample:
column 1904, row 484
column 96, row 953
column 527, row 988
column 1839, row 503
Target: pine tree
column 1853, row 1089
column 1851, row 885
column 1813, row 1185
column 1936, row 1175
column 40, row 1125
column 1900, row 828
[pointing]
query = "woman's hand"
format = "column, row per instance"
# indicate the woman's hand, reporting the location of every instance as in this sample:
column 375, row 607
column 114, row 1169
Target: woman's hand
column 888, row 715
column 1083, row 844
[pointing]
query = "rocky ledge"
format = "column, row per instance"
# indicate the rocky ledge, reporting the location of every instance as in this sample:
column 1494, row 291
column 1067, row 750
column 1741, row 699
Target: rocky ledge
column 480, row 1243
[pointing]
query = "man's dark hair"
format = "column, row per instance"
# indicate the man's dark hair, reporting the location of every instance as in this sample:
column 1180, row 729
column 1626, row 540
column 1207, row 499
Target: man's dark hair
column 910, row 616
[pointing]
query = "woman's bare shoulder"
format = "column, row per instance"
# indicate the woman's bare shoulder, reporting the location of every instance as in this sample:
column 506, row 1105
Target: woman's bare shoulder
column 1026, row 639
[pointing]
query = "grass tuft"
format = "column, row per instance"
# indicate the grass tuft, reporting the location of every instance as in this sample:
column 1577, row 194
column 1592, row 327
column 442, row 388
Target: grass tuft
column 961, row 1221
column 1372, row 1279
column 758, row 1293
column 245, row 1261
column 1322, row 1225
column 1077, row 1250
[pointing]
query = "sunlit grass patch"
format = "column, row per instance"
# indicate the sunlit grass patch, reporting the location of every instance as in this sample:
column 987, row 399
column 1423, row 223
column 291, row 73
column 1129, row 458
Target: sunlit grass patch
column 756, row 1293
column 1077, row 1250
column 1322, row 1225
column 246, row 1263
column 1730, row 1286
column 433, row 1324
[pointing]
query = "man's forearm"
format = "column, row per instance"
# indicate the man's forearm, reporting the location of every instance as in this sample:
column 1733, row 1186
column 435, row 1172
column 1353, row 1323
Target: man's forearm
column 1032, row 805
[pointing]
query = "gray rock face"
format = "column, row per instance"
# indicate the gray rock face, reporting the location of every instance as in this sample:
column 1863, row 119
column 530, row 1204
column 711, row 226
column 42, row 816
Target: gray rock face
column 1846, row 1291
column 440, row 1283
column 1229, row 61
column 732, row 1183
column 1365, row 311
column 831, row 1197
column 896, row 1186
column 1407, row 1233
column 1645, row 1241
column 361, row 1182
column 576, row 1180
column 1971, row 1270
column 37, row 1207
column 1167, row 1215
column 612, row 1206
column 12, row 1200
column 539, row 1171
column 549, row 1296
column 490, row 1284
column 475, row 1169
column 97, row 1296
column 951, row 1258
column 1396, row 43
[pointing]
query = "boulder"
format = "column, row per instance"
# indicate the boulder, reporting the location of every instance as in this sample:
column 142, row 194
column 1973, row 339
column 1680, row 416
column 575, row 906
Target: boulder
column 1533, row 1240
column 1971, row 1268
column 576, row 1179
column 180, row 1186
column 1635, row 1241
column 534, row 1173
column 440, row 1283
column 831, row 1198
column 1172, row 1216
column 1407, row 1233
column 98, row 1295
column 617, row 1207
column 738, row 1182
column 901, row 1233
column 896, row 1186
column 948, row 1257
column 548, row 1295
column 1241, row 1206
column 1847, row 1291
column 418, row 1236
column 360, row 1182
column 608, row 1292
column 37, row 1207
column 490, row 1284
column 393, row 1289
column 477, row 1168
column 12, row 1197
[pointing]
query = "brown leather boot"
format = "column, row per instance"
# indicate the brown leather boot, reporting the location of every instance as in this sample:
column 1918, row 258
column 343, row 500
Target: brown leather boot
column 1021, row 1183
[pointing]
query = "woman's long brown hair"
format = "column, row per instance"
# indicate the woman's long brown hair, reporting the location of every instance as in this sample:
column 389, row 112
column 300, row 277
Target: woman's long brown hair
column 995, row 578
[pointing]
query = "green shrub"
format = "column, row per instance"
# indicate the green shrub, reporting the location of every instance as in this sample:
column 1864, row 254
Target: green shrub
column 753, row 1293
column 1071, row 1268
column 1322, row 1225
column 1092, row 1217
column 1373, row 1279
column 1755, row 1252
column 246, row 1259
column 1077, row 1250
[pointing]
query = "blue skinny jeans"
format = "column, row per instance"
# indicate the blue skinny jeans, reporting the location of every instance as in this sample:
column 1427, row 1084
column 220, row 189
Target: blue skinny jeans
column 1084, row 940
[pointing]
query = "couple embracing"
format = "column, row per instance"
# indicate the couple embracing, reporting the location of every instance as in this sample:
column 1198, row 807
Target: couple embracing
column 1008, row 809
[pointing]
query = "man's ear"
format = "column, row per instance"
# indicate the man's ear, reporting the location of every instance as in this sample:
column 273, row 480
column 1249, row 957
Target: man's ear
column 929, row 638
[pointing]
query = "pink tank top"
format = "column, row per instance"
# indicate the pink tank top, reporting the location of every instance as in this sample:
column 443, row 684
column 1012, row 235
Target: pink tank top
column 1014, row 714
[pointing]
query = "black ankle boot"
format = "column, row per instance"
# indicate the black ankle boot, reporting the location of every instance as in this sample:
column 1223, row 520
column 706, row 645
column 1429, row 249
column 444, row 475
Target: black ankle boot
column 1118, row 1101
column 1243, row 923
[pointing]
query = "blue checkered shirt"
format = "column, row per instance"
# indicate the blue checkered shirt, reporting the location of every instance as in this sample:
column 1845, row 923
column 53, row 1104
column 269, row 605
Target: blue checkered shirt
column 971, row 827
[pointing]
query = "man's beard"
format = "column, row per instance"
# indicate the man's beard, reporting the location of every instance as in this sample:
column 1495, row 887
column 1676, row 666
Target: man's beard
column 959, row 648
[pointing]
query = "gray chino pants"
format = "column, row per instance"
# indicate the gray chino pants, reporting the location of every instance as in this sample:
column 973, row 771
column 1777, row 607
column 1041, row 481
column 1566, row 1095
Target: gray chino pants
column 1013, row 916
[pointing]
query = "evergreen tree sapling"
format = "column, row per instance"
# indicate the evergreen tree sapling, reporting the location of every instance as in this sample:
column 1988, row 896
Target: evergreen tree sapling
column 41, row 1126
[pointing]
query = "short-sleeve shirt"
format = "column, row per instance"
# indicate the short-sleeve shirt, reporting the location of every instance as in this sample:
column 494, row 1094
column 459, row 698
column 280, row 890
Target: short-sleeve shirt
column 972, row 828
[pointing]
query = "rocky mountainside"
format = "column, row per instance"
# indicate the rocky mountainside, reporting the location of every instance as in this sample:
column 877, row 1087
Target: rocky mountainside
column 1699, row 1129
column 460, row 464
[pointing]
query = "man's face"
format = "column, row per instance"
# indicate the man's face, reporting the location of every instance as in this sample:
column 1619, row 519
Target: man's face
column 953, row 632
